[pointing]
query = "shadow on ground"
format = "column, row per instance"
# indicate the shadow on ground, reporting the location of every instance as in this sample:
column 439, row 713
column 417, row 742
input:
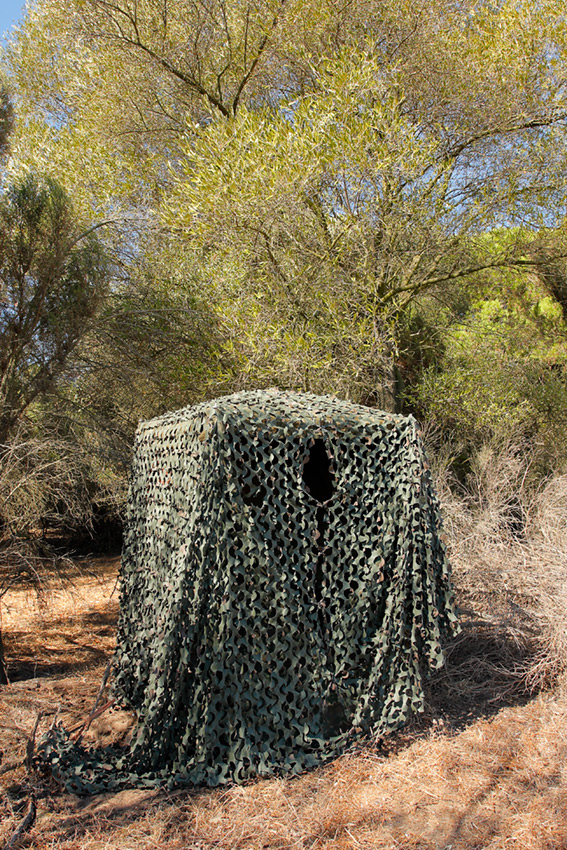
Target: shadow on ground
column 485, row 670
column 63, row 646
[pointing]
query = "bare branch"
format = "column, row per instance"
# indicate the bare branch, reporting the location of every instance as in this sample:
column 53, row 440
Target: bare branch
column 25, row 825
column 259, row 51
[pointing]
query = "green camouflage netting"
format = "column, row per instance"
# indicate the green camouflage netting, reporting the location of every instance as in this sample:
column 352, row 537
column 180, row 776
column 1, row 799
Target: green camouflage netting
column 283, row 587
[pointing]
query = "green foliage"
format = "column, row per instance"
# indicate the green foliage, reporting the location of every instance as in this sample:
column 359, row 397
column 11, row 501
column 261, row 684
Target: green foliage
column 347, row 200
column 52, row 279
column 503, row 368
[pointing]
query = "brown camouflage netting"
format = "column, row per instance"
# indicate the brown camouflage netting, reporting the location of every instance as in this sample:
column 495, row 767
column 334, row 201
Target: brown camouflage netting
column 283, row 588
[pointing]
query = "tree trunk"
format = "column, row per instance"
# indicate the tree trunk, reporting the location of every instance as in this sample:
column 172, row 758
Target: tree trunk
column 386, row 392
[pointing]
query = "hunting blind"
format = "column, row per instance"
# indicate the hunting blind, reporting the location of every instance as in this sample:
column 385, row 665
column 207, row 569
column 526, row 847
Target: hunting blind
column 284, row 587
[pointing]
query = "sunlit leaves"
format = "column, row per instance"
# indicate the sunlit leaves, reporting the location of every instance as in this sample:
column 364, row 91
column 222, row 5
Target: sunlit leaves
column 337, row 159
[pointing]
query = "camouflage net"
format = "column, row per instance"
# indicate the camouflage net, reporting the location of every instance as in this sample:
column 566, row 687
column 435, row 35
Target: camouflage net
column 283, row 588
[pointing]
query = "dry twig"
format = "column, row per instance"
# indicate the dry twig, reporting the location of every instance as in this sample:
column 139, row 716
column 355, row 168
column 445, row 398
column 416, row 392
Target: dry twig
column 96, row 711
column 30, row 744
column 25, row 825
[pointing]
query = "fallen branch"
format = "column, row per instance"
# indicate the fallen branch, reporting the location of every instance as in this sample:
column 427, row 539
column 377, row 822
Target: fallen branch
column 79, row 731
column 6, row 768
column 96, row 712
column 102, row 686
column 30, row 744
column 25, row 826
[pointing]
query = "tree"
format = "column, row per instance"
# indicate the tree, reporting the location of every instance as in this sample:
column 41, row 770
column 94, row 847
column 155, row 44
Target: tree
column 103, row 88
column 342, row 206
column 202, row 58
column 53, row 277
column 100, row 113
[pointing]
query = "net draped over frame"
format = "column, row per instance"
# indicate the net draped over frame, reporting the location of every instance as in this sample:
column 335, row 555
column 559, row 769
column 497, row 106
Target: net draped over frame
column 284, row 587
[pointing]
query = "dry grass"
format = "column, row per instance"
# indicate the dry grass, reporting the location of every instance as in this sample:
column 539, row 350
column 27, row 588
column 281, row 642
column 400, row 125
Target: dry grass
column 69, row 627
column 501, row 783
column 485, row 770
column 508, row 548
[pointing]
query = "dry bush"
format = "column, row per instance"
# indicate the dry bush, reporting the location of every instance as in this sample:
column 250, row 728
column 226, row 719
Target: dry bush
column 46, row 489
column 507, row 540
column 36, row 476
column 41, row 478
column 546, row 568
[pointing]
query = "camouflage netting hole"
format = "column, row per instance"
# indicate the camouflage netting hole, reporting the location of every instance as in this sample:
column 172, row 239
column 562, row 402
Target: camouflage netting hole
column 284, row 588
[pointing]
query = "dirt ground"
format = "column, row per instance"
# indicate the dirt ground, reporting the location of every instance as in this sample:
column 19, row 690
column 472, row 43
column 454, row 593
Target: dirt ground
column 486, row 769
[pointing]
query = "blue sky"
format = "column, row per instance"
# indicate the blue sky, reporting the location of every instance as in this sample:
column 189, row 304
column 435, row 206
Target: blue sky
column 10, row 12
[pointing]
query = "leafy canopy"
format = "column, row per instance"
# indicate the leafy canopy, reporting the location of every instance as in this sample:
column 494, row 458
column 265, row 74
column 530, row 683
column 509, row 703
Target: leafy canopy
column 315, row 167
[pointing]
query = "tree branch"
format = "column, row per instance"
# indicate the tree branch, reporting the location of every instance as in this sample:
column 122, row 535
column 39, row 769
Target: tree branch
column 259, row 52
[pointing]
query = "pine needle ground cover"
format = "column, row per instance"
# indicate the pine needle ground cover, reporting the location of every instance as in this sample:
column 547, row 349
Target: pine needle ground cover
column 284, row 587
column 500, row 782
